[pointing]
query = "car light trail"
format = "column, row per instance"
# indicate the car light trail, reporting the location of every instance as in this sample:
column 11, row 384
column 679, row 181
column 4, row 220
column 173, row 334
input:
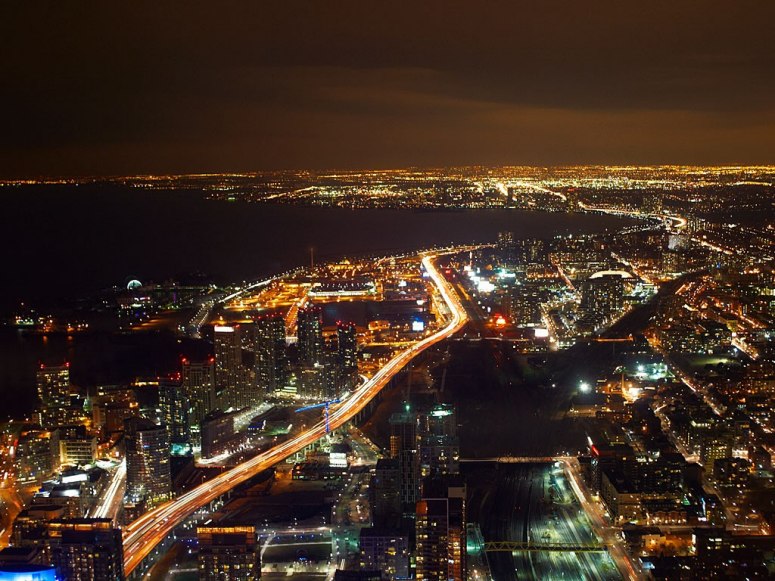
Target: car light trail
column 144, row 534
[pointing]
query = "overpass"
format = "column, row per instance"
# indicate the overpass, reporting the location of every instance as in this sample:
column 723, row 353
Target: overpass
column 514, row 546
column 514, row 459
column 143, row 535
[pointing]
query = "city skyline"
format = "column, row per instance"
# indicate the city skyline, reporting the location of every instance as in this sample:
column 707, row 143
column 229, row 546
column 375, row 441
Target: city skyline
column 387, row 291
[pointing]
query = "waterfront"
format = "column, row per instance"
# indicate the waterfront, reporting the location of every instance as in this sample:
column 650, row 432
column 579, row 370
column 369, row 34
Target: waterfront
column 157, row 235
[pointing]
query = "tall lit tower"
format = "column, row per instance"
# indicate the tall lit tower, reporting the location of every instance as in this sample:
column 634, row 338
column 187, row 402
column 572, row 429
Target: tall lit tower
column 271, row 357
column 310, row 335
column 175, row 410
column 54, row 393
column 441, row 530
column 199, row 386
column 403, row 447
column 347, row 355
column 147, row 460
column 439, row 452
column 228, row 366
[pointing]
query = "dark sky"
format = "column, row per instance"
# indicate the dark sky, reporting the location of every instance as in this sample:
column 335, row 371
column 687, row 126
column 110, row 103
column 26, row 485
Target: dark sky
column 124, row 87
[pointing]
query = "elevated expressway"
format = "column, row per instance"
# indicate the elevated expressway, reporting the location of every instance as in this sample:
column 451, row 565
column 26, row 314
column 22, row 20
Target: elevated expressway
column 144, row 534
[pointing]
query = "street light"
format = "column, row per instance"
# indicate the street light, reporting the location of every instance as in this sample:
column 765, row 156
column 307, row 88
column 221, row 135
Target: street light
column 584, row 387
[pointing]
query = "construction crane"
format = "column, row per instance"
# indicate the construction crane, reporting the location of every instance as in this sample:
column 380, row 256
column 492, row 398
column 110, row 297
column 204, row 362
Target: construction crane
column 324, row 405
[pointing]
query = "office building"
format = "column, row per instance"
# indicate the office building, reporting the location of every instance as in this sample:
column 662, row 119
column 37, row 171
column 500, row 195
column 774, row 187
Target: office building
column 147, row 461
column 75, row 446
column 86, row 549
column 441, row 530
column 228, row 553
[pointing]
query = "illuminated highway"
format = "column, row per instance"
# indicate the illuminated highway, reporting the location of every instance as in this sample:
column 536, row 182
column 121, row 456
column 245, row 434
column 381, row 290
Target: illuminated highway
column 145, row 533
column 110, row 500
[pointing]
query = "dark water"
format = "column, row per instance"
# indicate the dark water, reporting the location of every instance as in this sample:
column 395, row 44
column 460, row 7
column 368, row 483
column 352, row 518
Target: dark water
column 61, row 242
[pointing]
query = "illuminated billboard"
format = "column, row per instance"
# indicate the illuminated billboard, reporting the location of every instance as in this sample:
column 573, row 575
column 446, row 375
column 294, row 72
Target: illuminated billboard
column 337, row 460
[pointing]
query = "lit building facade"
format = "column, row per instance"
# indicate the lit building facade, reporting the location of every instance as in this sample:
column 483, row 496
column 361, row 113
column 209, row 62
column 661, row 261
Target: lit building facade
column 228, row 552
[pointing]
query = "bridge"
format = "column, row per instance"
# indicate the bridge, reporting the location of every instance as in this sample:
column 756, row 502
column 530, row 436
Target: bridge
column 514, row 459
column 515, row 546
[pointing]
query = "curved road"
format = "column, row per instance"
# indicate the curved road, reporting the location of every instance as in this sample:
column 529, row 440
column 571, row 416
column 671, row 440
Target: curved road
column 145, row 533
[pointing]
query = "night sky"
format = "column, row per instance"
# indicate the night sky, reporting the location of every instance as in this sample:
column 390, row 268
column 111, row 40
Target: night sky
column 120, row 88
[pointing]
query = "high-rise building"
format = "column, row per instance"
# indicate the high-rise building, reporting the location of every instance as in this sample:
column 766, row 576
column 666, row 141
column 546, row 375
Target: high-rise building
column 217, row 431
column 199, row 387
column 228, row 552
column 602, row 297
column 439, row 446
column 441, row 530
column 271, row 356
column 54, row 393
column 311, row 382
column 34, row 458
column 403, row 447
column 347, row 355
column 310, row 335
column 385, row 550
column 524, row 304
column 231, row 387
column 174, row 411
column 147, row 461
column 385, row 493
column 85, row 549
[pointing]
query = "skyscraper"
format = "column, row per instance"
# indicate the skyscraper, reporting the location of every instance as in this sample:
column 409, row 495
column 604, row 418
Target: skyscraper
column 602, row 296
column 230, row 384
column 54, row 393
column 347, row 355
column 439, row 447
column 271, row 357
column 385, row 493
column 147, row 461
column 403, row 447
column 174, row 408
column 85, row 549
column 199, row 387
column 441, row 530
column 228, row 552
column 310, row 335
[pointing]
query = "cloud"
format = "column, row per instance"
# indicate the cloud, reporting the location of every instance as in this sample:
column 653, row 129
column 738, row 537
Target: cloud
column 238, row 85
